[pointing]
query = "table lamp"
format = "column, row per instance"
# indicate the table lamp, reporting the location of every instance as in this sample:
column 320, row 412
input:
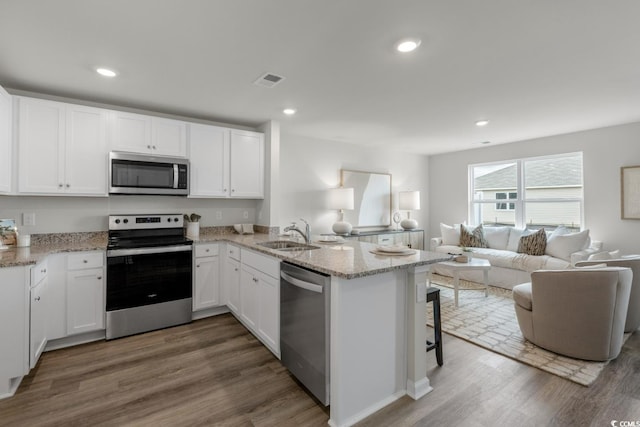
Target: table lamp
column 341, row 199
column 409, row 201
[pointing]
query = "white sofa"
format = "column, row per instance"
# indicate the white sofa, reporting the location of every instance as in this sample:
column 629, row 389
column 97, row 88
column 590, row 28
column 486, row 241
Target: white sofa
column 508, row 267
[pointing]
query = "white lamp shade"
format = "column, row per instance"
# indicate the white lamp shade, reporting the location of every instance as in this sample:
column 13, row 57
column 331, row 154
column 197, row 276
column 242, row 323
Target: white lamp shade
column 409, row 200
column 340, row 198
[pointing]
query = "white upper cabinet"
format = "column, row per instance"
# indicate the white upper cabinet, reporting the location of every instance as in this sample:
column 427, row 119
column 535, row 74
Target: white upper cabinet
column 6, row 159
column 86, row 151
column 247, row 164
column 209, row 161
column 61, row 148
column 226, row 162
column 138, row 133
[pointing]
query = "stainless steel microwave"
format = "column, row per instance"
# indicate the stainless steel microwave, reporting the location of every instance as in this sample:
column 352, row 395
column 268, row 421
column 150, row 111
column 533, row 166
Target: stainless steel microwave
column 142, row 174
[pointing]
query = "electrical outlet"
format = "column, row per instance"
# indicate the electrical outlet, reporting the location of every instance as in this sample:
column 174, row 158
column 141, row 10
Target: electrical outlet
column 218, row 215
column 245, row 214
column 29, row 218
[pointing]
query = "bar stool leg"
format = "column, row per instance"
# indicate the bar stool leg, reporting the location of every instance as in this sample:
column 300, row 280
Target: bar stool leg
column 437, row 328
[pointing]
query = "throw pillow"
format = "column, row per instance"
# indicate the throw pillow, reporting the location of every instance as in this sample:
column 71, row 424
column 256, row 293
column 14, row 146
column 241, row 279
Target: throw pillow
column 472, row 237
column 563, row 246
column 533, row 244
column 450, row 235
column 497, row 237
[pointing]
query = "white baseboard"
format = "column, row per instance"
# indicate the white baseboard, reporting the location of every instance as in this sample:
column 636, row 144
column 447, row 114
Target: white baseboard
column 368, row 411
column 419, row 389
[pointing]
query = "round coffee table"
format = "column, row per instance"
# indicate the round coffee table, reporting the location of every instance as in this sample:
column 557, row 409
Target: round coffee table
column 456, row 267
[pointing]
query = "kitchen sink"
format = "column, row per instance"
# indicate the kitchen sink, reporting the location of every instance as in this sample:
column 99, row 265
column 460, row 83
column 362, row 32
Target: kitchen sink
column 287, row 245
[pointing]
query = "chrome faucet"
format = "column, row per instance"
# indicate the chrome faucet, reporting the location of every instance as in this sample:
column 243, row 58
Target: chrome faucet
column 307, row 231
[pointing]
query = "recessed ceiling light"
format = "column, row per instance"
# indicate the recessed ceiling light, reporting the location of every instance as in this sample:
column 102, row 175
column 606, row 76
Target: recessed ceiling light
column 407, row 45
column 289, row 111
column 106, row 72
column 482, row 122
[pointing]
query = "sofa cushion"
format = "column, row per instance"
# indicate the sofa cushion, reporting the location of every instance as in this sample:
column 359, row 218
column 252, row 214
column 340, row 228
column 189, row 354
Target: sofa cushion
column 497, row 237
column 472, row 237
column 514, row 238
column 562, row 246
column 533, row 244
column 450, row 235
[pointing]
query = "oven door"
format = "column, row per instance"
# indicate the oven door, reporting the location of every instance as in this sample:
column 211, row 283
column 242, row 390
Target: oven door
column 139, row 277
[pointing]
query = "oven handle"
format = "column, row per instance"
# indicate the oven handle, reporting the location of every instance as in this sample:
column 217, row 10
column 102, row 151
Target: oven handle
column 144, row 251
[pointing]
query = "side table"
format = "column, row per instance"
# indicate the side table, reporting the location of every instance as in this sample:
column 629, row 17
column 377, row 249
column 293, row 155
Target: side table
column 456, row 267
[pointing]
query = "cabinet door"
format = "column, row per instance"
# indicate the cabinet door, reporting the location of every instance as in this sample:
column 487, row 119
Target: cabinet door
column 38, row 336
column 130, row 132
column 207, row 283
column 14, row 325
column 249, row 297
column 416, row 238
column 209, row 161
column 168, row 137
column 41, row 132
column 56, row 296
column 233, row 285
column 6, row 159
column 247, row 164
column 269, row 320
column 86, row 151
column 85, row 301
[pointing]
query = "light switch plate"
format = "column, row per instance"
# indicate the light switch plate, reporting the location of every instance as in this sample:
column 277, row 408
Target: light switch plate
column 29, row 218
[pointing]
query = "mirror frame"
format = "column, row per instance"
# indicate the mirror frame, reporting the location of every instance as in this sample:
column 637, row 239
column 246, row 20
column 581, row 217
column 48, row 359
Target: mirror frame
column 353, row 216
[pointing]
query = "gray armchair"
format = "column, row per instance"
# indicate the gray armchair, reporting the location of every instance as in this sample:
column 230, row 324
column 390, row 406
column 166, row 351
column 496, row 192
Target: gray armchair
column 633, row 313
column 578, row 313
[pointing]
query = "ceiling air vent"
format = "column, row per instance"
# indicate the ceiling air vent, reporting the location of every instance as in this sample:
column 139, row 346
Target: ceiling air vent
column 268, row 80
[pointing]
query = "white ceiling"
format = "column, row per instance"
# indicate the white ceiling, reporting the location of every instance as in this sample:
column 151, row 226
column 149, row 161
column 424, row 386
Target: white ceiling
column 533, row 68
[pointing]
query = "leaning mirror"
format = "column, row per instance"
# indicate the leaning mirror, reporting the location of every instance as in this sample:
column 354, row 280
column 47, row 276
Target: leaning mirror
column 372, row 198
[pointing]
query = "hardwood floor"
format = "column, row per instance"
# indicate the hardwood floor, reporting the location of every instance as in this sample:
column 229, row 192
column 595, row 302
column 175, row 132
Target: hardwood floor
column 213, row 372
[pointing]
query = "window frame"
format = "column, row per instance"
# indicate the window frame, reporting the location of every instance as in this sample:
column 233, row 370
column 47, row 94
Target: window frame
column 521, row 190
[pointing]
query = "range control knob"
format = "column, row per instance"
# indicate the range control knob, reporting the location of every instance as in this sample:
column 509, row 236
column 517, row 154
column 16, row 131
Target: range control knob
column 168, row 219
column 175, row 219
column 117, row 221
column 125, row 220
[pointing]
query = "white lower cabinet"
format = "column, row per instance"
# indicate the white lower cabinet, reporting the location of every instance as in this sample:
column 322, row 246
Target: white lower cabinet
column 14, row 327
column 206, row 289
column 38, row 312
column 85, row 292
column 259, row 304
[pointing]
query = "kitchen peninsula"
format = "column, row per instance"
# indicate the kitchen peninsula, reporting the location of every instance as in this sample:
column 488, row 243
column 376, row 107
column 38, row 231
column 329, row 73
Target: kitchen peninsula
column 378, row 334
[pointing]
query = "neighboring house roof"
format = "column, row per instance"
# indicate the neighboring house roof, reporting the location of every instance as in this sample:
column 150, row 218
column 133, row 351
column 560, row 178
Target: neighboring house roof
column 560, row 172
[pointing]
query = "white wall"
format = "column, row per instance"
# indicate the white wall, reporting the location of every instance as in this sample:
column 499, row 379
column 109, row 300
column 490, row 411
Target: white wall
column 308, row 167
column 605, row 151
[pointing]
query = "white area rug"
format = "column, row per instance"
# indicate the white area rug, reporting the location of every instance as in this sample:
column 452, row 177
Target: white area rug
column 491, row 323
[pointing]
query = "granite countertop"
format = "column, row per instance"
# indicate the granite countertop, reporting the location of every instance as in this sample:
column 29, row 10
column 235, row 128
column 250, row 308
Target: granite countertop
column 347, row 260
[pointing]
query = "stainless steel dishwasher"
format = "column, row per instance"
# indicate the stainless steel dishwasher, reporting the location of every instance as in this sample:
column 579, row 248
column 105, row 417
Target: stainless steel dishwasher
column 305, row 326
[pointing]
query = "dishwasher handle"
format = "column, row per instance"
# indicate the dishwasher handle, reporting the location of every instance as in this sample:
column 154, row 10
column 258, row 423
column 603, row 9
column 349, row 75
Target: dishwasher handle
column 301, row 283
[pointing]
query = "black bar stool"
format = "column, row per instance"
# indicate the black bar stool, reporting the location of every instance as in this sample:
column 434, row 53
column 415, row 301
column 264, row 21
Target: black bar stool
column 433, row 295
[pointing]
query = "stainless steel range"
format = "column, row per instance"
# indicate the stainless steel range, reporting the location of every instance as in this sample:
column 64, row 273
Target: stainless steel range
column 149, row 273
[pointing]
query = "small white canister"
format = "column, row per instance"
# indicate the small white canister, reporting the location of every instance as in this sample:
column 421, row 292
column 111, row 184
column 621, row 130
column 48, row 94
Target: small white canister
column 193, row 230
column 23, row 241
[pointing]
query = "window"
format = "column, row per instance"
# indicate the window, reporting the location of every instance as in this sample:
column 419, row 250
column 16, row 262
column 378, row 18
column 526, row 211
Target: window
column 536, row 192
column 506, row 206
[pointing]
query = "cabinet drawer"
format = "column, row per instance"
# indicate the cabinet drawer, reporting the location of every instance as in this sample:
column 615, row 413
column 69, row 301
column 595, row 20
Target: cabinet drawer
column 38, row 272
column 85, row 260
column 207, row 249
column 386, row 239
column 233, row 252
column 265, row 264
